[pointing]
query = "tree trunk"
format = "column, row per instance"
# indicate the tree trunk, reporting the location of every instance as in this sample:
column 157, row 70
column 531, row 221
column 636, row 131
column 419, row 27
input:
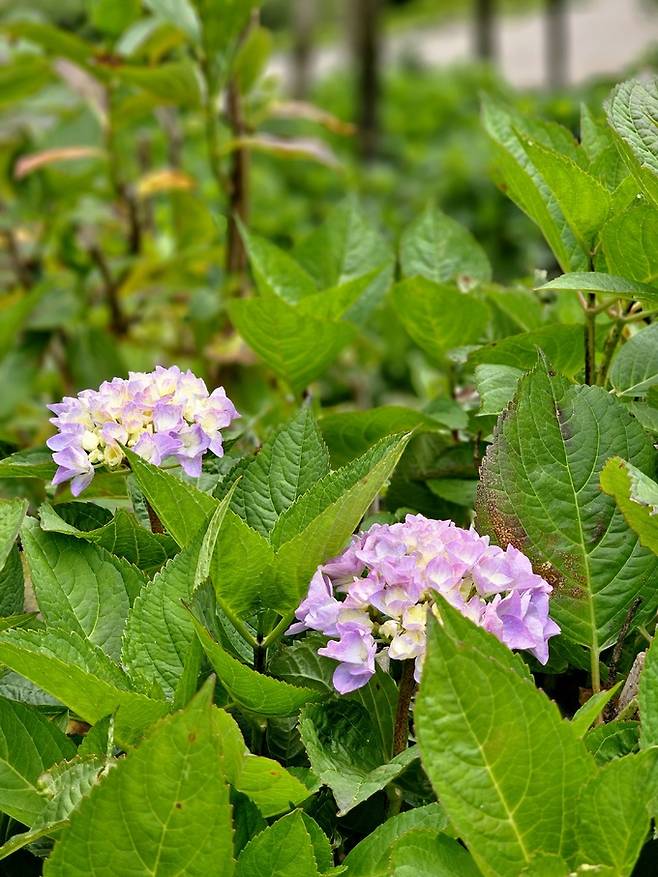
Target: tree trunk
column 485, row 43
column 365, row 23
column 557, row 43
column 304, row 13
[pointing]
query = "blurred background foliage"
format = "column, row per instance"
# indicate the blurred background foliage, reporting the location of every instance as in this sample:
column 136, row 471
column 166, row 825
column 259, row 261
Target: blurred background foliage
column 135, row 136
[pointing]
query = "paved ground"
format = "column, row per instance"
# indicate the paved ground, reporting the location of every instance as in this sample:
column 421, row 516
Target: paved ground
column 605, row 36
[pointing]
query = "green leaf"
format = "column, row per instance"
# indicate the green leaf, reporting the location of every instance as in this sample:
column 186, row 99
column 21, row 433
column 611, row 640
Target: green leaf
column 525, row 185
column 496, row 385
column 29, row 745
column 627, row 242
column 300, row 664
column 284, row 849
column 614, row 812
column 12, row 512
column 275, row 270
column 438, row 248
column 33, row 463
column 632, row 111
column 345, row 299
column 242, row 572
column 317, row 526
column 120, row 533
column 636, row 496
column 182, row 508
column 598, row 142
column 562, row 345
column 648, row 698
column 607, row 284
column 160, row 631
column 270, row 786
column 349, row 434
column 297, row 347
column 81, row 587
column 18, row 841
column 80, row 676
column 592, row 709
column 540, row 492
column 173, row 821
column 248, row 688
column 65, row 785
column 584, row 202
column 180, row 13
column 287, row 465
column 60, row 43
column 614, row 740
column 22, row 77
column 425, row 854
column 421, row 307
column 345, row 751
column 506, row 767
column 371, row 857
column 635, row 367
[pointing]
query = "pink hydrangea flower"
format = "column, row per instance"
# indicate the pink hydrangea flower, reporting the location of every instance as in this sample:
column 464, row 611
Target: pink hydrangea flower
column 162, row 415
column 378, row 593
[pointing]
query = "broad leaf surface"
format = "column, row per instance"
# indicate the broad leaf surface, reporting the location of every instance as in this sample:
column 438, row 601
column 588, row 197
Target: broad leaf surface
column 635, row 367
column 284, row 849
column 540, row 492
column 636, row 496
column 164, row 822
column 628, row 242
column 562, row 345
column 425, row 854
column 632, row 112
column 607, row 284
column 507, row 768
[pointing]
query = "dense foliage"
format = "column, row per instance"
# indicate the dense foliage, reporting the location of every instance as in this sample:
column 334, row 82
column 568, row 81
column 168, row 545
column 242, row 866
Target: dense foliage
column 180, row 607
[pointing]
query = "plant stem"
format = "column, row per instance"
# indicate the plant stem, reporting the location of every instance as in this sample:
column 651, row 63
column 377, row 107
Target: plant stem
column 156, row 523
column 406, row 692
column 611, row 342
column 239, row 625
column 590, row 338
column 595, row 671
column 279, row 630
column 238, row 208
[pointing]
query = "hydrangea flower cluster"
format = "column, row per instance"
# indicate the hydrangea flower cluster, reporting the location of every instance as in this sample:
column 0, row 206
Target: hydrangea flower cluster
column 160, row 415
column 379, row 591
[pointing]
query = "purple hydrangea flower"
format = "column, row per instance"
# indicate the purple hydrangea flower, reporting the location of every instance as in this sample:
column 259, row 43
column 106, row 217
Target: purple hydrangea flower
column 162, row 415
column 377, row 594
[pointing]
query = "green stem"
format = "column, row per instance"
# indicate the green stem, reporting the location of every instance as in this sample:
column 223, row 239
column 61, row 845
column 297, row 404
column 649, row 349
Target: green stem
column 595, row 671
column 279, row 630
column 239, row 625
column 610, row 345
column 405, row 693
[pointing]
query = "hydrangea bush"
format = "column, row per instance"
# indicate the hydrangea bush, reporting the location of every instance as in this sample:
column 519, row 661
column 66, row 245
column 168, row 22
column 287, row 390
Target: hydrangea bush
column 205, row 671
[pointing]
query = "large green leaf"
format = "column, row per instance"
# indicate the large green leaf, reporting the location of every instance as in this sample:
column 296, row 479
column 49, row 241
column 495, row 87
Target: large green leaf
column 506, row 767
column 345, row 751
column 167, row 804
column 242, row 571
column 648, row 698
column 636, row 496
column 284, row 849
column 317, row 526
column 540, row 492
column 172, row 82
column 276, row 271
column 82, row 677
column 252, row 690
column 438, row 248
column 632, row 111
column 614, row 812
column 607, row 284
column 12, row 512
column 627, row 241
column 425, row 854
column 343, row 247
column 182, row 508
column 496, row 385
column 635, row 367
column 562, row 344
column 33, row 463
column 349, row 434
column 287, row 465
column 160, row 631
column 371, row 856
column 269, row 785
column 296, row 346
column 584, row 202
column 120, row 533
column 421, row 306
column 524, row 183
column 80, row 586
column 29, row 745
